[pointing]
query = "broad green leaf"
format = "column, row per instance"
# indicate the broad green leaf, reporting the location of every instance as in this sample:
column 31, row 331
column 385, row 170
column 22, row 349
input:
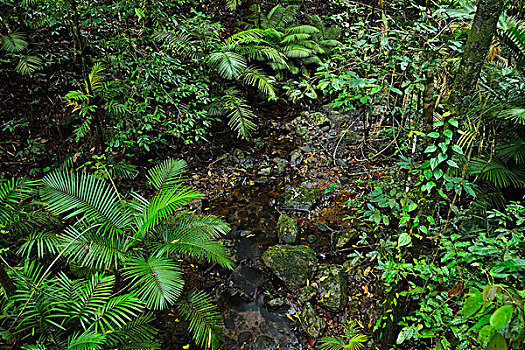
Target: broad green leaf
column 472, row 305
column 453, row 164
column 457, row 149
column 448, row 133
column 453, row 122
column 485, row 334
column 501, row 317
column 433, row 135
column 430, row 149
column 497, row 342
column 403, row 240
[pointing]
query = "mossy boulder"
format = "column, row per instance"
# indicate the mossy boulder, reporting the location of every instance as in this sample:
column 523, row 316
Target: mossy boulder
column 306, row 294
column 288, row 229
column 313, row 324
column 301, row 198
column 317, row 118
column 294, row 265
column 333, row 286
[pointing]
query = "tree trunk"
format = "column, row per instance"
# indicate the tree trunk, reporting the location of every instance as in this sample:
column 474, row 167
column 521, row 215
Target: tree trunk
column 476, row 50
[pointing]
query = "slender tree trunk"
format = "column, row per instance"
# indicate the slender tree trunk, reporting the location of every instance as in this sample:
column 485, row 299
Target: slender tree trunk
column 428, row 100
column 475, row 53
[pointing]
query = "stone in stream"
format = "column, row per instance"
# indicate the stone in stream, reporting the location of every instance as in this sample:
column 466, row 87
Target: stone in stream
column 296, row 158
column 313, row 324
column 294, row 265
column 333, row 286
column 288, row 229
column 301, row 198
column 263, row 342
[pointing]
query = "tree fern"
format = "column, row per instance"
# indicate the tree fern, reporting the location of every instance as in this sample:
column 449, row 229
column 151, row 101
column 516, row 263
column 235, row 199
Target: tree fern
column 157, row 281
column 205, row 321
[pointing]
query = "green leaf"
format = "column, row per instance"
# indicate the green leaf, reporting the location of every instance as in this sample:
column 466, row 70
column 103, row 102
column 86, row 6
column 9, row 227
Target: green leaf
column 431, row 220
column 472, row 305
column 403, row 240
column 453, row 122
column 457, row 149
column 497, row 342
column 501, row 317
column 430, row 149
column 433, row 135
column 423, row 229
column 452, row 163
column 469, row 190
column 448, row 133
column 485, row 334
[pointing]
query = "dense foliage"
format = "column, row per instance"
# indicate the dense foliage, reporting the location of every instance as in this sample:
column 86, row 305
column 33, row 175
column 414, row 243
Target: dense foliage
column 90, row 254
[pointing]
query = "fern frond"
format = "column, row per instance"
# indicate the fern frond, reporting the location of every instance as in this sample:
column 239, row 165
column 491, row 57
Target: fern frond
column 167, row 173
column 137, row 334
column 88, row 340
column 95, row 77
column 157, row 281
column 90, row 297
column 240, row 114
column 205, row 321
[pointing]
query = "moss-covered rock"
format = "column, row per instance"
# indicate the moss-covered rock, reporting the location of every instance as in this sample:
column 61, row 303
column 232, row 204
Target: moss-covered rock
column 288, row 229
column 294, row 265
column 346, row 236
column 306, row 294
column 317, row 118
column 313, row 324
column 333, row 286
column 263, row 342
column 301, row 198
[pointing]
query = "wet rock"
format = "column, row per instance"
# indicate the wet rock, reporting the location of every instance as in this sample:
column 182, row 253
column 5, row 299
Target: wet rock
column 281, row 165
column 344, row 237
column 243, row 282
column 294, row 265
column 296, row 158
column 300, row 130
column 301, row 198
column 263, row 342
column 306, row 294
column 288, row 229
column 277, row 302
column 333, row 286
column 264, row 171
column 313, row 324
column 316, row 118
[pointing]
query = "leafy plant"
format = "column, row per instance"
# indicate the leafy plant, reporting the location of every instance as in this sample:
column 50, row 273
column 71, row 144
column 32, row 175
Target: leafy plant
column 352, row 340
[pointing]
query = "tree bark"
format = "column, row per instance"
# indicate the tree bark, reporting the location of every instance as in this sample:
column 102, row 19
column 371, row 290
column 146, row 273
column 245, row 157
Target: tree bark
column 474, row 54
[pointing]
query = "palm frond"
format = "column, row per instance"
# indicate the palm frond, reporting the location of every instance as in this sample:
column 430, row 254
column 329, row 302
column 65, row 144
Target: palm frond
column 229, row 64
column 294, row 38
column 14, row 42
column 255, row 77
column 95, row 77
column 91, row 297
column 88, row 340
column 514, row 150
column 166, row 173
column 94, row 249
column 516, row 115
column 157, row 281
column 165, row 203
column 302, row 29
column 116, row 313
column 39, row 244
column 205, row 321
column 240, row 114
column 12, row 193
column 28, row 64
column 497, row 172
column 84, row 195
column 137, row 334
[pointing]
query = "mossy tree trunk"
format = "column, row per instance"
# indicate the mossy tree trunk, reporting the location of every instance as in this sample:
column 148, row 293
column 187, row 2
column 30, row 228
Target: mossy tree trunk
column 476, row 50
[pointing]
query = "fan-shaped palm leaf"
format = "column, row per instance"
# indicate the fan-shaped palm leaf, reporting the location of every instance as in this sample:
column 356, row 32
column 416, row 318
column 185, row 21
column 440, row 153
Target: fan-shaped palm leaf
column 516, row 115
column 158, row 281
column 205, row 321
column 497, row 172
column 28, row 64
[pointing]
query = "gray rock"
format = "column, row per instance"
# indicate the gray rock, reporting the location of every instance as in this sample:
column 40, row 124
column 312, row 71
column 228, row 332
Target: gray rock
column 344, row 237
column 306, row 294
column 288, row 229
column 263, row 342
column 333, row 286
column 301, row 198
column 281, row 165
column 317, row 118
column 294, row 265
column 277, row 302
column 296, row 158
column 313, row 324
